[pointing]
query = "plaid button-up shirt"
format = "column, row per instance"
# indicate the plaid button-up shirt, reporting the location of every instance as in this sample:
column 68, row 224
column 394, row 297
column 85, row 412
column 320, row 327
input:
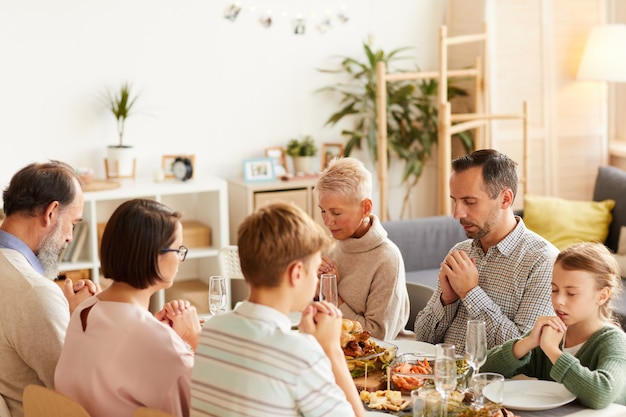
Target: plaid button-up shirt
column 514, row 288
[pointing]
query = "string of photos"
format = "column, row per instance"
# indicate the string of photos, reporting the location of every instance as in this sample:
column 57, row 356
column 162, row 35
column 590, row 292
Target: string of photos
column 323, row 21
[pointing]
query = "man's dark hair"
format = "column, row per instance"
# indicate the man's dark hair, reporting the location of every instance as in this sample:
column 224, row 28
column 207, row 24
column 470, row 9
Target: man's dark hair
column 37, row 185
column 499, row 171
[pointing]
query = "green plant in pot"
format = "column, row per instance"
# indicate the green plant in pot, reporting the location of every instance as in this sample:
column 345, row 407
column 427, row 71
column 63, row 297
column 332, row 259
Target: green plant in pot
column 303, row 152
column 412, row 116
column 121, row 103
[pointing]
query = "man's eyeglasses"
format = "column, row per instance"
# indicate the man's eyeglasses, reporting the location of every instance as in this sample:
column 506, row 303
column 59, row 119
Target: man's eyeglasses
column 182, row 252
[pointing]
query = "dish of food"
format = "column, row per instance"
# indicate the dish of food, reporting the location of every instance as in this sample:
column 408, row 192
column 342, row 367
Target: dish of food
column 531, row 395
column 384, row 400
column 363, row 353
column 411, row 371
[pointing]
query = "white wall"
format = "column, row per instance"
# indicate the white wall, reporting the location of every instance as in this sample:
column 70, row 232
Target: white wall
column 221, row 90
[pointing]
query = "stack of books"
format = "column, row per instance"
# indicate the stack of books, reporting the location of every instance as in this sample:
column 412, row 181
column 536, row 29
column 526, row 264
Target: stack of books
column 72, row 251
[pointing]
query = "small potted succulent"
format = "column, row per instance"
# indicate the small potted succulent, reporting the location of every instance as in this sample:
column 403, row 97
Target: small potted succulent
column 303, row 151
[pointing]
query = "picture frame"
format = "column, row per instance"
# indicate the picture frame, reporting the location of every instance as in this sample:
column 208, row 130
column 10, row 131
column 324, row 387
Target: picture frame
column 329, row 152
column 277, row 153
column 258, row 170
column 168, row 160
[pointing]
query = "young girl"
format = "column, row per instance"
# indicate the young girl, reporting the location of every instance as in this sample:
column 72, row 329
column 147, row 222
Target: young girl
column 581, row 347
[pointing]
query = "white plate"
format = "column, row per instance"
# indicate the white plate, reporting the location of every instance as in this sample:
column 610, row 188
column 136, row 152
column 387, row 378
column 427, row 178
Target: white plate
column 375, row 413
column 529, row 395
column 413, row 346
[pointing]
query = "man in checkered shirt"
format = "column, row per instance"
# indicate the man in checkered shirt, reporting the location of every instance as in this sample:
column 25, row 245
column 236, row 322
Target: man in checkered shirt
column 502, row 274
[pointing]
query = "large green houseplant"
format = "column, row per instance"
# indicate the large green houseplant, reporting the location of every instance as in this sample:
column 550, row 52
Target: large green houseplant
column 411, row 114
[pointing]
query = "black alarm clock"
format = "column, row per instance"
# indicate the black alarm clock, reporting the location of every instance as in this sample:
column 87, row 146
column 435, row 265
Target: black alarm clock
column 182, row 168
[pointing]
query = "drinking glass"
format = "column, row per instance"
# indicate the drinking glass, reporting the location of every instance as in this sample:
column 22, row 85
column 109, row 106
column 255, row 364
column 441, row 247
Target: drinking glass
column 476, row 345
column 445, row 372
column 418, row 404
column 328, row 288
column 490, row 385
column 217, row 295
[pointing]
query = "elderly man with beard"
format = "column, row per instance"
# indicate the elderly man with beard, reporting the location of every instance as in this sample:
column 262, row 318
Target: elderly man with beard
column 502, row 274
column 42, row 204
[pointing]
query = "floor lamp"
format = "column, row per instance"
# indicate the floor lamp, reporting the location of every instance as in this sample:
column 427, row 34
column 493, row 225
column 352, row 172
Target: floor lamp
column 604, row 59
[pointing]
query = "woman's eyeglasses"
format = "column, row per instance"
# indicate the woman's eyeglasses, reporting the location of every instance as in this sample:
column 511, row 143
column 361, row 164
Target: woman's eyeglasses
column 182, row 252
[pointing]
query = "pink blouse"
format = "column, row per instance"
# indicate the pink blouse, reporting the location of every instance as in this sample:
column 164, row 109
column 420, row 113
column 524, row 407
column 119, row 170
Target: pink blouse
column 124, row 359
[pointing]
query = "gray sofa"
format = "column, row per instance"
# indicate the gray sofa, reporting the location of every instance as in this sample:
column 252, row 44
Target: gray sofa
column 424, row 243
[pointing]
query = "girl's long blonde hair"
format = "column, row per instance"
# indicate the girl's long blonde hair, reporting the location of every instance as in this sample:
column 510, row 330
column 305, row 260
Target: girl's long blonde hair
column 597, row 260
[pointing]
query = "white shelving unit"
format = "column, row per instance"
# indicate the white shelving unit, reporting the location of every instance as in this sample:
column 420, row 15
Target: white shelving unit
column 201, row 199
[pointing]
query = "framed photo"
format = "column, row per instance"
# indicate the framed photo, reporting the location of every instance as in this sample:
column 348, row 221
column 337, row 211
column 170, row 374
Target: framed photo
column 167, row 162
column 330, row 151
column 280, row 161
column 260, row 169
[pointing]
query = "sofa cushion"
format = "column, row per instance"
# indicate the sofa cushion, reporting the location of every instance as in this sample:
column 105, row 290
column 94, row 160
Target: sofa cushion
column 424, row 242
column 611, row 184
column 566, row 222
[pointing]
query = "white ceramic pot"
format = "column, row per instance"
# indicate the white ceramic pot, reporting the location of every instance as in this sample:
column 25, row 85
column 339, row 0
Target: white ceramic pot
column 305, row 164
column 121, row 161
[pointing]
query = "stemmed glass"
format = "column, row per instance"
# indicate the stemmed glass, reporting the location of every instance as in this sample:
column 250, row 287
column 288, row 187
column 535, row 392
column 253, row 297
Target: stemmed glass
column 476, row 345
column 217, row 295
column 445, row 372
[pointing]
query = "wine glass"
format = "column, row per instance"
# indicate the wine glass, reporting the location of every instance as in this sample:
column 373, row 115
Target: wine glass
column 476, row 346
column 217, row 295
column 445, row 372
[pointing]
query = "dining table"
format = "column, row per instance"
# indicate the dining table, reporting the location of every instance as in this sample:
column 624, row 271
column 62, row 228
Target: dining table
column 571, row 409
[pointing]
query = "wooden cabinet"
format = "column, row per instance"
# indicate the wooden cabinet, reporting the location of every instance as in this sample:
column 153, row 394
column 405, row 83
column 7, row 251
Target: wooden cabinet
column 244, row 198
column 202, row 202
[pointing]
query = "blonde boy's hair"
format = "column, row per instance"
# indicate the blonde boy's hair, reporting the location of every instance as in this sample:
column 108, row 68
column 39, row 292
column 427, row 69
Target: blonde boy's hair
column 346, row 176
column 273, row 237
column 597, row 260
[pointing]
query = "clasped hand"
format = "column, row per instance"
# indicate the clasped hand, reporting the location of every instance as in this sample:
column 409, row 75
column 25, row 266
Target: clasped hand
column 79, row 291
column 322, row 320
column 181, row 316
column 458, row 275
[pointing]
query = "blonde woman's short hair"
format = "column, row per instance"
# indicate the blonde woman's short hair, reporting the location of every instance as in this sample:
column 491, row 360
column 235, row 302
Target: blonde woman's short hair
column 346, row 176
column 597, row 260
column 273, row 237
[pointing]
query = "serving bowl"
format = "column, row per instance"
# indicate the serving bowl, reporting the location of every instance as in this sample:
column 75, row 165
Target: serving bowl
column 380, row 355
column 410, row 371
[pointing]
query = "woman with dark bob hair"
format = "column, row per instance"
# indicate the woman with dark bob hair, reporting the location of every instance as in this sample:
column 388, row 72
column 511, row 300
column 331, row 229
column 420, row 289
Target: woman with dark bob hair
column 117, row 355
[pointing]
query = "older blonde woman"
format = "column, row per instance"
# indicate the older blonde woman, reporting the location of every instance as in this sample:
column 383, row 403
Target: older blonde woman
column 369, row 267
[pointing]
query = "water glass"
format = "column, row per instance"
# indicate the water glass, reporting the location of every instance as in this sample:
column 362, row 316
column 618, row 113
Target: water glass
column 488, row 385
column 217, row 295
column 445, row 372
column 328, row 289
column 418, row 404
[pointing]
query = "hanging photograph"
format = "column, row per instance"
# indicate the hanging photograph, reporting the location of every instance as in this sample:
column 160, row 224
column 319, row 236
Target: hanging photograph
column 232, row 12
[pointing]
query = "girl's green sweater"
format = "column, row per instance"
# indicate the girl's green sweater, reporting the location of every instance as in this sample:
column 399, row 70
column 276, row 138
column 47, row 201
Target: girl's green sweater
column 596, row 375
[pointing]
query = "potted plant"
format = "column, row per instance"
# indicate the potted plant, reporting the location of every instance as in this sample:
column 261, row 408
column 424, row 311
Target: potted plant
column 121, row 159
column 303, row 152
column 412, row 114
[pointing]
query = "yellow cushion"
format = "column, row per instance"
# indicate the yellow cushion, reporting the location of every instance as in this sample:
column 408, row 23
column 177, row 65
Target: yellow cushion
column 566, row 222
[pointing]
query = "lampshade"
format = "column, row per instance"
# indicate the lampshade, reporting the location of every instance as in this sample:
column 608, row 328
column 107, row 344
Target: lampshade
column 604, row 58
